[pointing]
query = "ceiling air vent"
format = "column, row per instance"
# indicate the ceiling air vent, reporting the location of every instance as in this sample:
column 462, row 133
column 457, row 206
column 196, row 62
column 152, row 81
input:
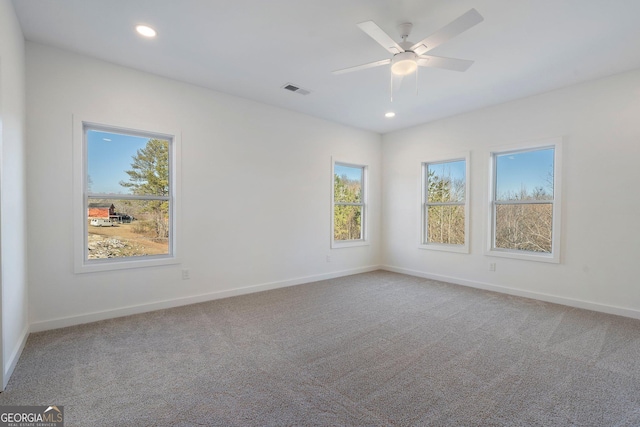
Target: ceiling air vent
column 296, row 89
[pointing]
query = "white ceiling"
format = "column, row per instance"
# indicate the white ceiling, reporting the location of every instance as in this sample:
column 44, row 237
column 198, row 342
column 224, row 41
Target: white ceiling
column 251, row 48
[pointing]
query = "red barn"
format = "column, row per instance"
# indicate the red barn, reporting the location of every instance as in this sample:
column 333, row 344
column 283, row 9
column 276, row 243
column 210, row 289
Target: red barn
column 101, row 210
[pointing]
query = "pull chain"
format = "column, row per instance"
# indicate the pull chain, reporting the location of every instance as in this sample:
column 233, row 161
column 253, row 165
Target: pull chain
column 391, row 87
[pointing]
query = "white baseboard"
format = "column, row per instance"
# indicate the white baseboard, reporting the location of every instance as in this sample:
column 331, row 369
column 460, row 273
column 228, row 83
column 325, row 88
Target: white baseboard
column 588, row 305
column 15, row 355
column 177, row 302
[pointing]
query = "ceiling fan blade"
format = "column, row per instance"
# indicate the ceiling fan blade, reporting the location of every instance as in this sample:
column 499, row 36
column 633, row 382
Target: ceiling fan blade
column 446, row 63
column 449, row 31
column 383, row 39
column 363, row 66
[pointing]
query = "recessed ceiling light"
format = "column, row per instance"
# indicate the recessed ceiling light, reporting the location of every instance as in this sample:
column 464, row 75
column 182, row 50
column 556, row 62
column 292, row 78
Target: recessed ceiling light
column 390, row 114
column 145, row 31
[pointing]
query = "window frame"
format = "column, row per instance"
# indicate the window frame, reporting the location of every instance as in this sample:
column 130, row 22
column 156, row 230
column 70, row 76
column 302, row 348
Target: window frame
column 363, row 241
column 82, row 196
column 556, row 202
column 422, row 239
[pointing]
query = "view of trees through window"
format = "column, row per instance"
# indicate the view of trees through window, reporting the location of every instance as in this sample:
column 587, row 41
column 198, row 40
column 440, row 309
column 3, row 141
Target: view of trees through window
column 445, row 202
column 523, row 200
column 128, row 202
column 348, row 209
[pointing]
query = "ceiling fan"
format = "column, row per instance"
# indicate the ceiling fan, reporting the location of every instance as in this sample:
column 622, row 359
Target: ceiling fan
column 407, row 56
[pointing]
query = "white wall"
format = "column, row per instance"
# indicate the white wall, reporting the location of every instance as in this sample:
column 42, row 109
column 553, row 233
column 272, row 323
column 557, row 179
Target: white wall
column 256, row 188
column 15, row 325
column 600, row 247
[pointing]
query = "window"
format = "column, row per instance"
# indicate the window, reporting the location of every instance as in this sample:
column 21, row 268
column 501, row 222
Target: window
column 445, row 219
column 126, row 183
column 525, row 208
column 349, row 204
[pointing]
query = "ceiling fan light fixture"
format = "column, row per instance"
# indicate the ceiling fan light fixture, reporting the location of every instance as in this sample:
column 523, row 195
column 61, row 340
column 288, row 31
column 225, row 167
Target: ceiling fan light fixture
column 404, row 63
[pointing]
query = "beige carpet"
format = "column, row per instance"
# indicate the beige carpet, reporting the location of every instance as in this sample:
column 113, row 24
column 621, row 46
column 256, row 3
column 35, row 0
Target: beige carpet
column 374, row 349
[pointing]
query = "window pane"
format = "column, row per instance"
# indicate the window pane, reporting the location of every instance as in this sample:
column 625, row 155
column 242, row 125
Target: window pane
column 127, row 228
column 445, row 224
column 526, row 175
column 525, row 227
column 347, row 222
column 446, row 181
column 127, row 164
column 347, row 183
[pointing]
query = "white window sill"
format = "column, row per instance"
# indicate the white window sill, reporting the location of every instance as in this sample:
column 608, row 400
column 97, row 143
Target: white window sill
column 111, row 264
column 348, row 243
column 461, row 249
column 523, row 255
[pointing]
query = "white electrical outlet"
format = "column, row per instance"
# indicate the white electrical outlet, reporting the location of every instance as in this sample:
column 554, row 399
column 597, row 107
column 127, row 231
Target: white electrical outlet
column 492, row 266
column 328, row 258
column 185, row 274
